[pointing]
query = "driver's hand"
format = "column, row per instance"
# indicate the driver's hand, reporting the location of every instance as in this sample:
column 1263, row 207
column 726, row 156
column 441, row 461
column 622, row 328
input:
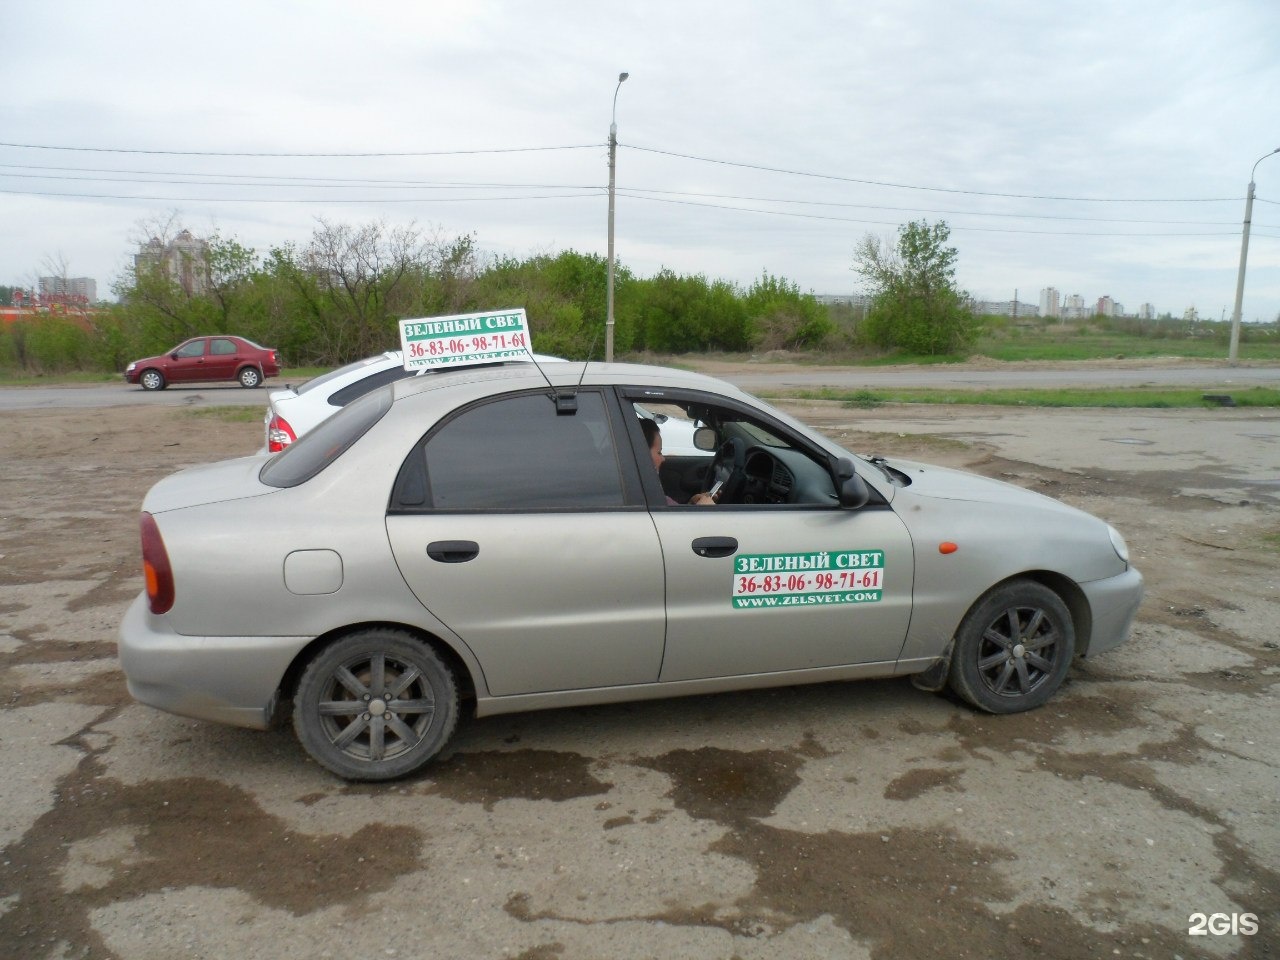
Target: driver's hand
column 702, row 499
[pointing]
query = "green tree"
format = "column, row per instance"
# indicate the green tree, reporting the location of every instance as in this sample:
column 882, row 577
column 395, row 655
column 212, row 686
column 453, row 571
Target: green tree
column 783, row 318
column 916, row 306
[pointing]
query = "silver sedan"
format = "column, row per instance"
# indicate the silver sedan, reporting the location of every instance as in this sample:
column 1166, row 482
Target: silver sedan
column 498, row 539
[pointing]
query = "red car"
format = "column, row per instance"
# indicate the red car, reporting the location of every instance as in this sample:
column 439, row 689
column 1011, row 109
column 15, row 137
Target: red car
column 202, row 359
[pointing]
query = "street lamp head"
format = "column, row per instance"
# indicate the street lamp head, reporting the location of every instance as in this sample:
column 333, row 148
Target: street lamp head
column 623, row 76
column 1260, row 159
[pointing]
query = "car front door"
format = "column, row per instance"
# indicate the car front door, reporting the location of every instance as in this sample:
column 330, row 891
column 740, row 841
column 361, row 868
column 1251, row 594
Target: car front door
column 519, row 529
column 783, row 579
column 187, row 363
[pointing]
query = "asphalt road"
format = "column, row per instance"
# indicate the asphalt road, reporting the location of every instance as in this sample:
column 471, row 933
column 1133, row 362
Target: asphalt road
column 768, row 377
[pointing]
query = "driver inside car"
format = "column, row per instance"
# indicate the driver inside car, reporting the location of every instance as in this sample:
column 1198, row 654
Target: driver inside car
column 653, row 437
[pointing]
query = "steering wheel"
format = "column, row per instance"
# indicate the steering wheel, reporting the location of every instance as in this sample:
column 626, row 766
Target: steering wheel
column 727, row 470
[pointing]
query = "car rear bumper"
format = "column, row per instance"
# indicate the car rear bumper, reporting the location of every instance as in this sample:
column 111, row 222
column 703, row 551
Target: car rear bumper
column 232, row 680
column 1113, row 603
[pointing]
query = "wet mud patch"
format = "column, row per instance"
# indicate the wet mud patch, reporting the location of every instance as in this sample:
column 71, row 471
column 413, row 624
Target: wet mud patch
column 117, row 586
column 914, row 894
column 489, row 776
column 97, row 689
column 1157, row 486
column 916, row 782
column 58, row 651
column 188, row 832
column 727, row 786
column 1114, row 713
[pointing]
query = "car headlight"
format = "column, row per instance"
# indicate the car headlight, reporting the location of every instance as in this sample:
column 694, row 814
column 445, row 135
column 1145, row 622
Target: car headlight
column 130, row 368
column 1117, row 543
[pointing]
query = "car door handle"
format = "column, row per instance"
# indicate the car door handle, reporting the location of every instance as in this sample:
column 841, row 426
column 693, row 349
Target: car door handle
column 453, row 551
column 715, row 546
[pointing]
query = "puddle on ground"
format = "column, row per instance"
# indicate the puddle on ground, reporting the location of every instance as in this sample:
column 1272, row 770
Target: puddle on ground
column 489, row 776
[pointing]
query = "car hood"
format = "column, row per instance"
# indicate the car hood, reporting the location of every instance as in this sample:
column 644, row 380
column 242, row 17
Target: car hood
column 942, row 483
column 208, row 483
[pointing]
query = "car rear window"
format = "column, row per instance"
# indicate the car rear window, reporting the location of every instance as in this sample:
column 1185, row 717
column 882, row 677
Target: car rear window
column 341, row 398
column 306, row 457
column 340, row 372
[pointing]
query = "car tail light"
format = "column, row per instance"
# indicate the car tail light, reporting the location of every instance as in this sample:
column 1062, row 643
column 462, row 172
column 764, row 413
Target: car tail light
column 155, row 567
column 279, row 434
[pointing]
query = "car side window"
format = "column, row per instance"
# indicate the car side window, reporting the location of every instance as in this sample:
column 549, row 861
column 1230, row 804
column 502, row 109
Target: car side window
column 222, row 348
column 193, row 349
column 518, row 453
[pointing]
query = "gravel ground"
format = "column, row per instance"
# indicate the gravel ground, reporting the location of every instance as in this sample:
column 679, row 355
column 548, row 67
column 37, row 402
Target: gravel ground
column 844, row 820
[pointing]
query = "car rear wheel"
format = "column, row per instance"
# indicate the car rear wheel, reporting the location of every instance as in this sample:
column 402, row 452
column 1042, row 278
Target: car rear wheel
column 151, row 380
column 1013, row 648
column 375, row 705
column 250, row 377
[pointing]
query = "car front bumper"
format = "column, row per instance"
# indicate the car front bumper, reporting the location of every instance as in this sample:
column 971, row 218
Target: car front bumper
column 232, row 680
column 1114, row 603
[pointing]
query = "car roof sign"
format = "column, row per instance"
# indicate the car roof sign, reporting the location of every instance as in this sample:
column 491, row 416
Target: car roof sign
column 465, row 339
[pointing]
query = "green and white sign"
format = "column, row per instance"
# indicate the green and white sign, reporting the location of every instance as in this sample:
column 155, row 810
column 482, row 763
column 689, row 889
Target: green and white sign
column 464, row 339
column 806, row 579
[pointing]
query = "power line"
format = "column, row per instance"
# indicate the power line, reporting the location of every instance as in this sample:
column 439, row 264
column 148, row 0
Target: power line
column 312, row 200
column 909, row 186
column 234, row 153
column 959, row 213
column 343, row 183
column 889, row 223
column 278, row 180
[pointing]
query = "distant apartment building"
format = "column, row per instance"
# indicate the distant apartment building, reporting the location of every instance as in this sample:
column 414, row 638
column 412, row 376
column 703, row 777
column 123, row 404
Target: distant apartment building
column 1050, row 302
column 184, row 260
column 82, row 290
column 1107, row 307
column 1004, row 308
column 1146, row 312
column 1073, row 308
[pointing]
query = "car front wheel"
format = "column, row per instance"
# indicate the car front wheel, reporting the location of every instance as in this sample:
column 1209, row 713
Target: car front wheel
column 375, row 705
column 152, row 380
column 250, row 377
column 1013, row 648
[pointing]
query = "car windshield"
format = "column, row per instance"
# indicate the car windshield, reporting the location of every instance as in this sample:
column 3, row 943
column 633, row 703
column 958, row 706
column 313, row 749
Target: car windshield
column 300, row 461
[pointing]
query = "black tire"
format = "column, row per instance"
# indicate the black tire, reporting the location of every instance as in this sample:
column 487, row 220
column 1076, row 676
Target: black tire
column 1013, row 648
column 363, row 726
column 250, row 377
column 152, row 380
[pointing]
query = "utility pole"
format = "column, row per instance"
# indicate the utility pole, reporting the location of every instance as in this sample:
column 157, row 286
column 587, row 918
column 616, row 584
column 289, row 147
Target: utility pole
column 613, row 162
column 1234, row 351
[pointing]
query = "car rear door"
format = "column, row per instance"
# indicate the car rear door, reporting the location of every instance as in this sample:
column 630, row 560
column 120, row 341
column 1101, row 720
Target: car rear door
column 519, row 529
column 225, row 356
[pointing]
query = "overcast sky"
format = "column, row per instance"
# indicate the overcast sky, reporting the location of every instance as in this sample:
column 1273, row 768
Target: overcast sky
column 1097, row 147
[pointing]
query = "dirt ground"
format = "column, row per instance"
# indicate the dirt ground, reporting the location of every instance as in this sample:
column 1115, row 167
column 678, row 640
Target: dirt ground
column 863, row 820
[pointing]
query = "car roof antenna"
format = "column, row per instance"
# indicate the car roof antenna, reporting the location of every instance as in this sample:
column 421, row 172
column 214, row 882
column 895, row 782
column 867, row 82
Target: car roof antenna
column 566, row 403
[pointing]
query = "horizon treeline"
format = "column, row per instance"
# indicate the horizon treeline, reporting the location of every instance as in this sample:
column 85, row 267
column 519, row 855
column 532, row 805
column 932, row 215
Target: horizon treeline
column 341, row 297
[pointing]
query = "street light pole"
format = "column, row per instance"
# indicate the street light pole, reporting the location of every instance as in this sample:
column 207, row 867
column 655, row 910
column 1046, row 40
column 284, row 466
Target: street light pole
column 1233, row 352
column 613, row 161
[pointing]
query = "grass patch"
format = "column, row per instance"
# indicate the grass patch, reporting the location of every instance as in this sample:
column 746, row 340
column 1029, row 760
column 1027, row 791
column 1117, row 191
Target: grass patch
column 227, row 414
column 1135, row 397
column 930, row 441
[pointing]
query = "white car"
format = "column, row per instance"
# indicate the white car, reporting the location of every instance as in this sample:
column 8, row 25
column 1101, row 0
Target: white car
column 294, row 411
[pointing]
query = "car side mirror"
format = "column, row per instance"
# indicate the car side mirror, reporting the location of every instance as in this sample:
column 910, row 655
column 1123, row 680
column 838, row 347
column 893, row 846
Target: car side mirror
column 704, row 438
column 854, row 492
